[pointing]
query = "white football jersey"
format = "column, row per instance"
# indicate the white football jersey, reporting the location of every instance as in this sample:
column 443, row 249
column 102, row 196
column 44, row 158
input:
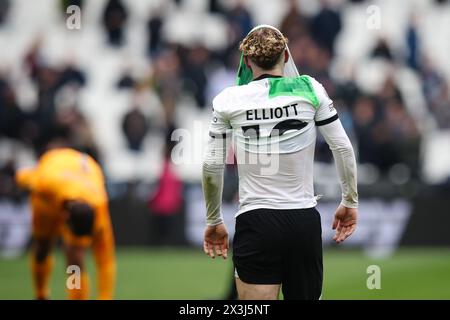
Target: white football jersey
column 273, row 121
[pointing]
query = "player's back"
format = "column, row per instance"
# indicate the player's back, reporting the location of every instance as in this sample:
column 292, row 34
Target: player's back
column 273, row 122
column 70, row 174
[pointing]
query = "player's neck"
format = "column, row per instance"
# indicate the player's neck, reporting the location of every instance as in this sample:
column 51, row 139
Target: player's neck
column 276, row 72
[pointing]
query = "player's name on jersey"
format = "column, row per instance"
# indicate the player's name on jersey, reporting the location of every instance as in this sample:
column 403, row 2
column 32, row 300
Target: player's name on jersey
column 272, row 113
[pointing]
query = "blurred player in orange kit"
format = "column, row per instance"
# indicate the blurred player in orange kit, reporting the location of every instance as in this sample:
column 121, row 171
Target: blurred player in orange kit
column 69, row 200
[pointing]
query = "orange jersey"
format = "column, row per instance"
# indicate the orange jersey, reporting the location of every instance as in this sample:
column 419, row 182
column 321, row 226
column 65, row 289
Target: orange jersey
column 65, row 174
column 61, row 175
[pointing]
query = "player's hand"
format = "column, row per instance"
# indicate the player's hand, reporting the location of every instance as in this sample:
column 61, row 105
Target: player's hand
column 344, row 222
column 216, row 241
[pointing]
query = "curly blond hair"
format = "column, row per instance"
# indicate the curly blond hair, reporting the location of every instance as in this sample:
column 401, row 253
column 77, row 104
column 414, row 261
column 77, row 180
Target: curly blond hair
column 264, row 47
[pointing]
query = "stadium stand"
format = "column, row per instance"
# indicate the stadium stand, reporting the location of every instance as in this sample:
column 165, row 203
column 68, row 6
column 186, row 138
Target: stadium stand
column 390, row 84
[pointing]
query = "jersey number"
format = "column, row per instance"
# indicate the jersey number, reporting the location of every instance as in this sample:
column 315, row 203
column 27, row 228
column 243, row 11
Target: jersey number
column 281, row 128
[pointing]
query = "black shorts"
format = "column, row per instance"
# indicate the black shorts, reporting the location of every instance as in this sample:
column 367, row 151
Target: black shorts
column 280, row 247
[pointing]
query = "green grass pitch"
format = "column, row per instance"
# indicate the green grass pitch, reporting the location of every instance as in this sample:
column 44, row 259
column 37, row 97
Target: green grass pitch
column 189, row 274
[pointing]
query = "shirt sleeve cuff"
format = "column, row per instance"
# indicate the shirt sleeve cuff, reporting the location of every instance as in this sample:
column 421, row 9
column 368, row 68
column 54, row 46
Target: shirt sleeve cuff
column 215, row 222
column 349, row 204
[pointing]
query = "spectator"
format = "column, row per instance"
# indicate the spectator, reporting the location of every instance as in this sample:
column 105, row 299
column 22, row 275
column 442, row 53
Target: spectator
column 4, row 10
column 317, row 62
column 389, row 91
column 64, row 4
column 240, row 19
column 135, row 128
column 154, row 30
column 413, row 45
column 11, row 116
column 433, row 84
column 33, row 59
column 166, row 204
column 441, row 109
column 294, row 24
column 325, row 26
column 214, row 6
column 299, row 48
column 126, row 80
column 364, row 121
column 240, row 22
column 114, row 20
column 8, row 187
column 404, row 133
column 167, row 72
column 222, row 77
column 382, row 50
column 79, row 134
column 70, row 74
column 348, row 91
column 194, row 73
column 400, row 123
column 15, row 217
column 43, row 116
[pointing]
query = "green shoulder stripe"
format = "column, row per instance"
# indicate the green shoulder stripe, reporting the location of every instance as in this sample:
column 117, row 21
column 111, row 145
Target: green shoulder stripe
column 300, row 86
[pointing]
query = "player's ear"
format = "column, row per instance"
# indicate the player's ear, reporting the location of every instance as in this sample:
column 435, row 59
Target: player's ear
column 286, row 56
column 247, row 63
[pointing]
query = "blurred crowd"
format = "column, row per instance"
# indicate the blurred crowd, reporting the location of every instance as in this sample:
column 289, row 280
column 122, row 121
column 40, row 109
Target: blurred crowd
column 383, row 131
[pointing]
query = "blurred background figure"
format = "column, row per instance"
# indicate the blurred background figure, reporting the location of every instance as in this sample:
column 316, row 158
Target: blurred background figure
column 14, row 217
column 155, row 40
column 325, row 26
column 166, row 205
column 4, row 10
column 134, row 126
column 114, row 20
column 64, row 4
